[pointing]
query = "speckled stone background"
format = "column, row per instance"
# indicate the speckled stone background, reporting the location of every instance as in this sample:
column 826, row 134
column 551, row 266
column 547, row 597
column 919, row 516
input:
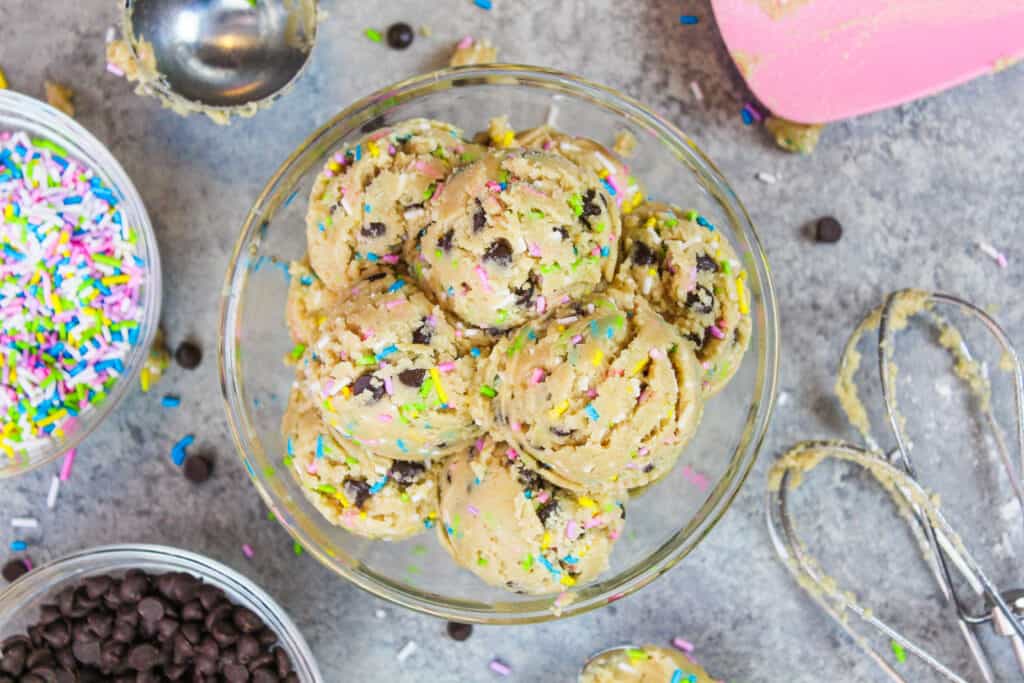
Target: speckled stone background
column 914, row 187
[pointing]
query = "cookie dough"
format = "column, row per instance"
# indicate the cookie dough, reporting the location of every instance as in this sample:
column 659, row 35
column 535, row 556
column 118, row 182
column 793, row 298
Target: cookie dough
column 369, row 496
column 310, row 303
column 688, row 271
column 392, row 373
column 507, row 525
column 647, row 664
column 513, row 234
column 601, row 397
column 373, row 194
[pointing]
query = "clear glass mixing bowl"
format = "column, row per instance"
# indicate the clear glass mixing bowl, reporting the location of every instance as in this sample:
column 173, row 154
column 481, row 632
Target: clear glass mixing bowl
column 38, row 119
column 668, row 520
column 20, row 602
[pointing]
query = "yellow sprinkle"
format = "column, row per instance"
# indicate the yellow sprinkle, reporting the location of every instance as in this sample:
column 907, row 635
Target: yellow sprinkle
column 64, row 238
column 3, row 86
column 586, row 502
column 4, row 445
column 741, row 292
column 436, row 376
column 508, row 138
column 567, row 580
column 598, row 356
column 603, row 173
column 651, row 222
column 342, row 498
column 546, row 541
column 638, row 368
column 115, row 280
column 144, row 380
column 321, row 320
column 334, row 166
column 362, row 515
column 559, row 409
column 346, row 392
column 374, row 150
column 52, row 417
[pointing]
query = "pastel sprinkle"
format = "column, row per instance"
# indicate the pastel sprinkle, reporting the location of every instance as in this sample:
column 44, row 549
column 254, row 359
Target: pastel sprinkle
column 373, row 35
column 901, row 654
column 51, row 496
column 170, row 401
column 18, row 546
column 688, row 20
column 497, row 666
column 488, row 391
column 681, row 644
column 592, row 413
column 396, row 285
column 247, row 550
column 69, row 461
column 24, row 523
column 483, row 4
column 538, row 376
column 677, row 676
column 178, row 450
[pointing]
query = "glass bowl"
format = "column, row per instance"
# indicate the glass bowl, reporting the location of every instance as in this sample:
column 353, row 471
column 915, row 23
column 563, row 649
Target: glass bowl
column 20, row 602
column 667, row 521
column 19, row 112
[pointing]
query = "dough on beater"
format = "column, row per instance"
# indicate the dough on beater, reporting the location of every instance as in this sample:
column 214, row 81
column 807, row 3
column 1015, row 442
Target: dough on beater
column 513, row 529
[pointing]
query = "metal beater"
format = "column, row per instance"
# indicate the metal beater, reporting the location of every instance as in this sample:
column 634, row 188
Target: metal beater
column 896, row 473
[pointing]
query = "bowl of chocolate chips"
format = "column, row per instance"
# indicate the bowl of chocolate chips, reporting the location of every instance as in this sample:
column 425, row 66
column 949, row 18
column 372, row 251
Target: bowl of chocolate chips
column 146, row 613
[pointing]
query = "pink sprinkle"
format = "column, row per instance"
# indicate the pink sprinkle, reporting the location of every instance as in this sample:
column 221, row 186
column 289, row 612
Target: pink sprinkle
column 446, row 366
column 752, row 110
column 389, row 387
column 542, row 304
column 473, row 510
column 511, row 453
column 534, row 250
column 392, row 151
column 115, row 69
column 596, row 251
column 538, row 376
column 28, row 563
column 577, row 339
column 339, row 157
column 515, row 426
column 655, row 353
column 384, row 417
column 479, row 445
column 696, row 478
column 593, row 521
column 493, row 186
column 643, row 450
column 565, row 299
column 613, row 534
column 482, row 274
column 543, row 496
column 394, row 303
column 499, row 667
column 572, row 530
column 465, row 43
column 389, row 258
column 311, row 467
column 684, row 645
column 69, row 460
column 591, row 393
column 247, row 550
column 716, row 332
column 548, row 144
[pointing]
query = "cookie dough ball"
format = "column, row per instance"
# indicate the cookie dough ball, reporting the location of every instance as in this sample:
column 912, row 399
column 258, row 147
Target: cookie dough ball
column 589, row 154
column 643, row 664
column 368, row 496
column 310, row 303
column 515, row 233
column 392, row 373
column 510, row 527
column 601, row 397
column 371, row 195
column 689, row 273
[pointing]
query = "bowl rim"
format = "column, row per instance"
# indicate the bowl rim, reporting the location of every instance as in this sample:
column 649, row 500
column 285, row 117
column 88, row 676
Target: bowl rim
column 47, row 575
column 758, row 416
column 41, row 114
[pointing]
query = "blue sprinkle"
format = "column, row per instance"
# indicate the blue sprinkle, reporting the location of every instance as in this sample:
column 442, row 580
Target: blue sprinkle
column 387, row 351
column 252, row 472
column 428, row 523
column 527, row 494
column 359, row 152
column 547, row 564
column 290, row 198
column 747, row 118
column 569, row 559
column 321, row 226
column 688, row 20
column 178, row 451
column 483, row 4
column 593, row 327
column 72, row 200
column 367, row 208
column 608, row 186
column 604, row 251
column 319, row 446
column 371, row 257
column 401, row 446
column 306, row 280
column 170, row 401
column 609, row 332
column 378, row 485
column 677, row 676
column 398, row 284
column 705, row 223
column 18, row 546
column 284, row 268
column 591, row 412
column 475, row 352
column 291, row 448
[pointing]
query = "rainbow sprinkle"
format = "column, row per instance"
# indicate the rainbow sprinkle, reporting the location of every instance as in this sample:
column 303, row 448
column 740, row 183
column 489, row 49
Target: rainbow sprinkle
column 70, row 291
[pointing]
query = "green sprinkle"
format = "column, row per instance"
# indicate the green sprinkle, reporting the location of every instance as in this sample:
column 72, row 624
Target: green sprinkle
column 691, row 215
column 368, row 359
column 901, row 654
column 298, row 351
column 482, row 561
column 636, row 654
column 271, row 516
column 269, row 471
column 50, row 145
column 600, row 227
column 536, row 213
column 488, row 391
column 297, row 549
column 429, row 192
column 326, row 489
column 107, row 260
column 373, row 34
column 419, row 549
column 576, row 204
column 527, row 562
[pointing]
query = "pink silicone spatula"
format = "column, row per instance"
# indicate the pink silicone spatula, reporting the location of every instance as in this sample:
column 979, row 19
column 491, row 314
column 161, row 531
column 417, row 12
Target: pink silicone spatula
column 815, row 61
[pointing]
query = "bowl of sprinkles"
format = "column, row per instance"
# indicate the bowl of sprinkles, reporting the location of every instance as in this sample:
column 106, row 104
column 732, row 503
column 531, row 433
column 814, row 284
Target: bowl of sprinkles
column 479, row 317
column 79, row 283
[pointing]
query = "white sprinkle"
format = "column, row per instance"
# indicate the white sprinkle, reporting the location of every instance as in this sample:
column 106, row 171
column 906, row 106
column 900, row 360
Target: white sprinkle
column 552, row 115
column 1010, row 510
column 410, row 214
column 51, row 497
column 24, row 523
column 768, row 178
column 695, row 89
column 783, row 398
column 111, row 34
column 380, row 614
column 993, row 253
column 407, row 651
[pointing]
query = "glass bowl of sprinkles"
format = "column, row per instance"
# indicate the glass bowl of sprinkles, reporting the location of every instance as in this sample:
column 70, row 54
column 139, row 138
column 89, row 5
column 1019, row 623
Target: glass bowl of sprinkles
column 79, row 283
column 96, row 574
column 666, row 519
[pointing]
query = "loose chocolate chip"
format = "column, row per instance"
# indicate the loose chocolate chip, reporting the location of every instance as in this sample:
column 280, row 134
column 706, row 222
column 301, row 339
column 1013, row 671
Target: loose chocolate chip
column 400, row 35
column 197, row 468
column 263, row 660
column 13, row 661
column 479, row 218
column 192, row 611
column 183, row 588
column 643, row 255
column 369, row 382
column 413, row 377
column 123, row 632
column 701, row 300
column 224, row 632
column 48, row 614
column 134, row 585
column 167, row 628
column 357, row 491
column 444, row 242
column 246, row 620
column 14, row 570
column 705, row 262
column 424, row 333
column 546, row 509
column 406, row 473
column 828, row 229
column 459, row 632
column 221, row 611
column 264, row 675
column 206, row 666
column 188, row 355
column 373, row 230
column 500, row 252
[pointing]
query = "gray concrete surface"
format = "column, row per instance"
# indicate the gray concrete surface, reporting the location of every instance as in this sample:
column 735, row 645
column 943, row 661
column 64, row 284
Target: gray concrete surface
column 914, row 186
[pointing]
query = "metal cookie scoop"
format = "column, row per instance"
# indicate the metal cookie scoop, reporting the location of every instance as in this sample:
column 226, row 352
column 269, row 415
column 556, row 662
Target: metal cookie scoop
column 223, row 53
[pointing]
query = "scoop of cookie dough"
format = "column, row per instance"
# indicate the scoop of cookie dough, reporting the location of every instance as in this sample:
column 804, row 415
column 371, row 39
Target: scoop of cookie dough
column 310, row 303
column 689, row 273
column 515, row 233
column 392, row 373
column 510, row 527
column 371, row 195
column 601, row 397
column 647, row 664
column 369, row 496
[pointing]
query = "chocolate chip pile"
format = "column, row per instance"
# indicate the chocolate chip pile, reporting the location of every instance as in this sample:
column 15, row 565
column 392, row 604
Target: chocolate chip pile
column 142, row 628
